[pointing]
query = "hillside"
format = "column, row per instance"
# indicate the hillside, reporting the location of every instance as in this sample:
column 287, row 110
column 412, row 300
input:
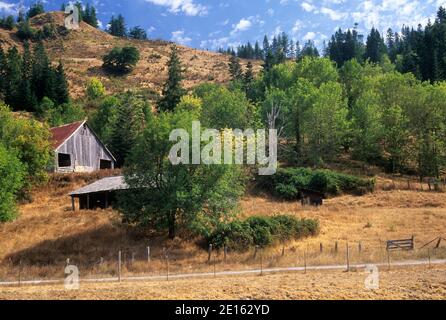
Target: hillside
column 81, row 52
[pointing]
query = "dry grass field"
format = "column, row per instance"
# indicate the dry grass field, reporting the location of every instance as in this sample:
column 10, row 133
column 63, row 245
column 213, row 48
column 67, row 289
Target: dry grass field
column 47, row 233
column 82, row 50
column 412, row 283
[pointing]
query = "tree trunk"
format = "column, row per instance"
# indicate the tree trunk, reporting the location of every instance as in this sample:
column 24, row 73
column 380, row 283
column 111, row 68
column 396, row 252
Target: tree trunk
column 172, row 226
column 298, row 138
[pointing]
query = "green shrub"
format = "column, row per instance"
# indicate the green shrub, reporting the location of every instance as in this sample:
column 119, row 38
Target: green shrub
column 288, row 183
column 25, row 31
column 12, row 173
column 236, row 235
column 261, row 231
column 121, row 60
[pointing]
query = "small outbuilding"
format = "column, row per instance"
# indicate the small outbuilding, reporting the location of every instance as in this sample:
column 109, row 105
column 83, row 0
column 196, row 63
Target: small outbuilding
column 98, row 195
column 78, row 149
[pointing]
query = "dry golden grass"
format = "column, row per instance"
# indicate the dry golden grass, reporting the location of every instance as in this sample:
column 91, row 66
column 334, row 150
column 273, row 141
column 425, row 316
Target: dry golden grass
column 48, row 232
column 82, row 50
column 410, row 283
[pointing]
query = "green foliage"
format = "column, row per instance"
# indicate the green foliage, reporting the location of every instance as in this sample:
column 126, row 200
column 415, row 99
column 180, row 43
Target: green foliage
column 25, row 31
column 104, row 117
column 138, row 33
column 235, row 69
column 345, row 46
column 129, row 122
column 95, row 89
column 375, row 47
column 166, row 196
column 12, row 174
column 57, row 115
column 7, row 23
column 28, row 78
column 261, row 231
column 289, row 183
column 172, row 90
column 117, row 26
column 31, row 142
column 225, row 108
column 35, row 9
column 121, row 60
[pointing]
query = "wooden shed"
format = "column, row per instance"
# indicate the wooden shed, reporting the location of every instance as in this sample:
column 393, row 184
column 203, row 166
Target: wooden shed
column 100, row 194
column 78, row 149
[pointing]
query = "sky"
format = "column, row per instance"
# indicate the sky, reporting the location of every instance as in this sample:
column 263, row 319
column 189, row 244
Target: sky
column 210, row 25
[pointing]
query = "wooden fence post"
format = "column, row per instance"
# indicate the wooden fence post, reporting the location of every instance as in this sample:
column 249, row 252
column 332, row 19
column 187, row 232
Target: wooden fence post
column 20, row 273
column 119, row 265
column 148, row 254
column 348, row 258
column 388, row 259
column 283, row 251
column 261, row 262
column 336, row 247
column 360, row 247
column 255, row 251
column 210, row 253
column 321, row 247
column 429, row 256
column 166, row 257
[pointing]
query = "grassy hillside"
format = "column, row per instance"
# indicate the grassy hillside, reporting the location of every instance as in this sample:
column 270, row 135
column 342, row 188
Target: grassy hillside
column 81, row 52
column 48, row 232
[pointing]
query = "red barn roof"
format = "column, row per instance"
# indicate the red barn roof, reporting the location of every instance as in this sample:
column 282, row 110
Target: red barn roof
column 62, row 133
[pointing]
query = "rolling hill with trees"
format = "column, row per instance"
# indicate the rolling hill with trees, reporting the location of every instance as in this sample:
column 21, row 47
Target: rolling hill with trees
column 81, row 52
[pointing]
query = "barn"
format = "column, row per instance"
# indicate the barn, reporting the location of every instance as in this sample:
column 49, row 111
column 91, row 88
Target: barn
column 78, row 149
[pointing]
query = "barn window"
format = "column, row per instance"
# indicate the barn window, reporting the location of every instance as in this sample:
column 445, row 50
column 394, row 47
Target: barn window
column 64, row 160
column 105, row 164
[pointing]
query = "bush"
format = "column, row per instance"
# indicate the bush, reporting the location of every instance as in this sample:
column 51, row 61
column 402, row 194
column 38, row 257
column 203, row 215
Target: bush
column 236, row 235
column 261, row 231
column 12, row 173
column 288, row 183
column 95, row 89
column 121, row 60
column 31, row 141
column 25, row 31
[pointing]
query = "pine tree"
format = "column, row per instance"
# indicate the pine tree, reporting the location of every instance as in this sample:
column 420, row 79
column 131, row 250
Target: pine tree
column 3, row 74
column 117, row 26
column 61, row 94
column 42, row 74
column 13, row 76
column 35, row 9
column 28, row 100
column 173, row 90
column 129, row 122
column 235, row 69
column 248, row 80
column 375, row 47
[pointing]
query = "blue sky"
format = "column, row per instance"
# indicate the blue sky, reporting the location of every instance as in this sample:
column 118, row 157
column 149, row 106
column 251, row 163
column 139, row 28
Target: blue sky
column 212, row 24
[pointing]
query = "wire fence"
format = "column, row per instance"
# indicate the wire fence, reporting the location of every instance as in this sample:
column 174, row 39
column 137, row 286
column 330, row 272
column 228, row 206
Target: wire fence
column 164, row 263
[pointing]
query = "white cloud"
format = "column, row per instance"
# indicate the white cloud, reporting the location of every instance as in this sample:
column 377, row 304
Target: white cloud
column 179, row 37
column 242, row 25
column 298, row 25
column 309, row 36
column 8, row 8
column 333, row 14
column 188, row 7
column 308, row 7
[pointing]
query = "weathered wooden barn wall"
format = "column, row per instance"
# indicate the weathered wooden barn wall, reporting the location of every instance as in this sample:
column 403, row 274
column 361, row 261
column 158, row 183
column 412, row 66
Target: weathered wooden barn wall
column 85, row 149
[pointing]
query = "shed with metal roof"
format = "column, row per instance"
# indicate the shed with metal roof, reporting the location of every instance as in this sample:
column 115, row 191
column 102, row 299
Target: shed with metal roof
column 100, row 194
